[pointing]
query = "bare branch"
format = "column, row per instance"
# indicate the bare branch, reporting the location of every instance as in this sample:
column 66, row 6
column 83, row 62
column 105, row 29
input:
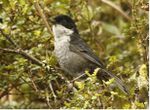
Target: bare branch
column 78, row 77
column 24, row 54
column 6, row 91
column 8, row 38
column 51, row 88
column 38, row 8
column 111, row 4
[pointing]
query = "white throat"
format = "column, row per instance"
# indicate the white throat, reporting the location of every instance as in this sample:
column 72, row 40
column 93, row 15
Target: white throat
column 61, row 33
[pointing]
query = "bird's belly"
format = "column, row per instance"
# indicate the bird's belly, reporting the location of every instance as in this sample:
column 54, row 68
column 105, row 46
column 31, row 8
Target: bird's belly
column 71, row 62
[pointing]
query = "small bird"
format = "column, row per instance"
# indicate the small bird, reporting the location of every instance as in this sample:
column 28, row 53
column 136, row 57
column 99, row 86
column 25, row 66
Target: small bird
column 74, row 55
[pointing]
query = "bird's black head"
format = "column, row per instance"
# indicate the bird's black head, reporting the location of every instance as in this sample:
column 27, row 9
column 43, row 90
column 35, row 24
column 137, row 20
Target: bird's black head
column 65, row 20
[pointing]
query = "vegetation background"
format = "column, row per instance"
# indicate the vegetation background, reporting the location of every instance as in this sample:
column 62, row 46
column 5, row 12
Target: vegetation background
column 117, row 31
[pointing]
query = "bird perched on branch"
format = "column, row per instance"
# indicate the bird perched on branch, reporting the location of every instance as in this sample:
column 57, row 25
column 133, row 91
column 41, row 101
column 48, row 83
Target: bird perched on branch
column 74, row 55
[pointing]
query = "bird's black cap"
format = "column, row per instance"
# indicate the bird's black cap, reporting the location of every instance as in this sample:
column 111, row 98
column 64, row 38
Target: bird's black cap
column 65, row 21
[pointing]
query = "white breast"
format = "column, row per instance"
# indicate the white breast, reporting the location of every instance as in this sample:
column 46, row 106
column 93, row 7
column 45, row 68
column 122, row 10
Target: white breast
column 62, row 39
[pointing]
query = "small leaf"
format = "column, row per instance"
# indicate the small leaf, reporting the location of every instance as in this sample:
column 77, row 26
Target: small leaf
column 37, row 33
column 80, row 85
column 114, row 93
column 94, row 97
column 96, row 71
column 111, row 28
column 110, row 81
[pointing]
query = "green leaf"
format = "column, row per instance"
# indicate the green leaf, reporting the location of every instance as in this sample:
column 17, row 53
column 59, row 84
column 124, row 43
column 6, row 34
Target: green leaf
column 80, row 85
column 111, row 28
column 110, row 81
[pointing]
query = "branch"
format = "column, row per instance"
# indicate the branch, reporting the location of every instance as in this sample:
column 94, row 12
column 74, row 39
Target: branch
column 111, row 4
column 38, row 8
column 24, row 54
column 19, row 51
column 51, row 88
column 47, row 67
column 5, row 92
column 78, row 77
column 8, row 38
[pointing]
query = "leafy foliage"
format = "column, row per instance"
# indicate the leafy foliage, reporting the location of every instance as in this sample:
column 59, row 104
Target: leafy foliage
column 120, row 42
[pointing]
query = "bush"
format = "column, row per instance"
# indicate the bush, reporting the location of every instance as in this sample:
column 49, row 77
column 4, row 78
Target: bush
column 30, row 76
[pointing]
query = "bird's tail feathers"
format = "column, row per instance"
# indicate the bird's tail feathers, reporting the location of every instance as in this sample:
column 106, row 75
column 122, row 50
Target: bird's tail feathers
column 117, row 81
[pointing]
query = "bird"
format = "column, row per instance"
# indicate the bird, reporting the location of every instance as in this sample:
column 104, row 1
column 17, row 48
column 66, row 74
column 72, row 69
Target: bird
column 74, row 55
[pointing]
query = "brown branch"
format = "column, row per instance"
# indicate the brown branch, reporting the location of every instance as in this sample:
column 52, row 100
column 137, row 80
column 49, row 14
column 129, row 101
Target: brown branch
column 47, row 67
column 52, row 90
column 34, row 85
column 19, row 51
column 111, row 4
column 38, row 8
column 8, row 38
column 5, row 92
column 24, row 54
column 80, row 76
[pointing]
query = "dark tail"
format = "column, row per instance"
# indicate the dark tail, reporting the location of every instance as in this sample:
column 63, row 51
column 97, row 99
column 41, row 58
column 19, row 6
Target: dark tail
column 117, row 81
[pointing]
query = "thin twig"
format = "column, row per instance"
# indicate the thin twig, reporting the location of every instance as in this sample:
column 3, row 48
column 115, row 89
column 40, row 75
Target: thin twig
column 5, row 92
column 8, row 38
column 38, row 8
column 24, row 54
column 34, row 85
column 47, row 99
column 51, row 87
column 111, row 4
column 78, row 77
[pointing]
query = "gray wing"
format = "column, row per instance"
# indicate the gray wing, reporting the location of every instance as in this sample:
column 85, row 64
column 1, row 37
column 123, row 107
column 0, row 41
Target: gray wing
column 77, row 45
